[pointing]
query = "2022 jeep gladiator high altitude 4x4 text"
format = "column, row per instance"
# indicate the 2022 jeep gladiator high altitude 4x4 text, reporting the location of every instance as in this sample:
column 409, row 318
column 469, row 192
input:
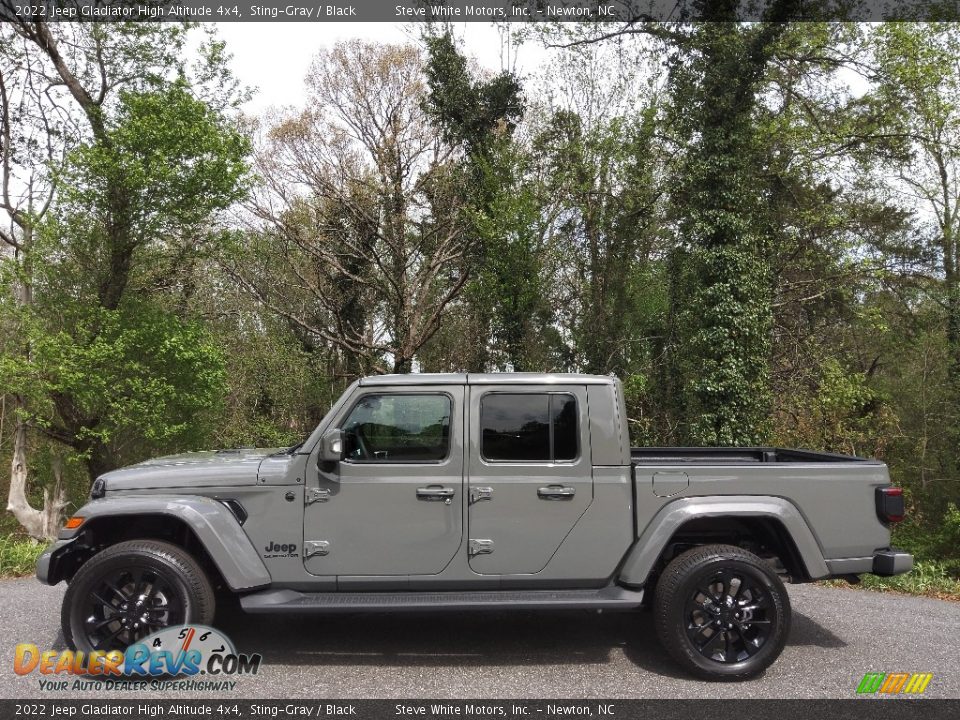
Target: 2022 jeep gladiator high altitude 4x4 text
column 465, row 492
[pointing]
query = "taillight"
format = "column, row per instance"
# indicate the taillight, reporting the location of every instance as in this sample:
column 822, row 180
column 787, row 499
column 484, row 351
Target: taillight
column 890, row 504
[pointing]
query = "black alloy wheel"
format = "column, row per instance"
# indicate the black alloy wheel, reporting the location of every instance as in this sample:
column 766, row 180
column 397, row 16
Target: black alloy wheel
column 131, row 590
column 729, row 617
column 128, row 604
column 721, row 612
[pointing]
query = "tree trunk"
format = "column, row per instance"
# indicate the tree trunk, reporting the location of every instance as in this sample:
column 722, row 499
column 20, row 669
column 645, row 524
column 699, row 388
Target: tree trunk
column 99, row 460
column 54, row 502
column 41, row 524
column 952, row 287
column 953, row 331
column 44, row 523
column 402, row 363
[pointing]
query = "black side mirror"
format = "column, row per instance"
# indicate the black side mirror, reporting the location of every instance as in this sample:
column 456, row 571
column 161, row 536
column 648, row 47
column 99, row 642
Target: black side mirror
column 331, row 446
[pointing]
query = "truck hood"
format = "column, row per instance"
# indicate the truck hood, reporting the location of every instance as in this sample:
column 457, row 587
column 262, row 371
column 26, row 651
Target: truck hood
column 196, row 469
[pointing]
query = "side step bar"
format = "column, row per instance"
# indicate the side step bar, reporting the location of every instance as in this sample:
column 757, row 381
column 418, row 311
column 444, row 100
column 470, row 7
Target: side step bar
column 292, row 601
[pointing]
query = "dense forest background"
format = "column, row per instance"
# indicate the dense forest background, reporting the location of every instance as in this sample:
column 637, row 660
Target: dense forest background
column 754, row 226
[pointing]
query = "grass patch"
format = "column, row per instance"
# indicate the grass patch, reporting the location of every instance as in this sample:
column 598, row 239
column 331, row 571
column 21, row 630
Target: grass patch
column 18, row 555
column 930, row 578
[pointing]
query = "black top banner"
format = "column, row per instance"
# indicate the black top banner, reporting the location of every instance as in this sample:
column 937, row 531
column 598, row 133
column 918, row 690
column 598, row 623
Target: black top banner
column 613, row 11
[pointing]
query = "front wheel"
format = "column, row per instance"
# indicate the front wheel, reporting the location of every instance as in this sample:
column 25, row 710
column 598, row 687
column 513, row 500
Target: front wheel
column 721, row 612
column 131, row 590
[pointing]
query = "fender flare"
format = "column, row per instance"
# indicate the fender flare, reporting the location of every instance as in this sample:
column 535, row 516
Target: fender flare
column 645, row 552
column 214, row 525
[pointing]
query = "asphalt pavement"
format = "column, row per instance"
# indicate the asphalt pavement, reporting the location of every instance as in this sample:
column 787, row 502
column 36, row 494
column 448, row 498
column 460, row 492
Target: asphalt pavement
column 838, row 634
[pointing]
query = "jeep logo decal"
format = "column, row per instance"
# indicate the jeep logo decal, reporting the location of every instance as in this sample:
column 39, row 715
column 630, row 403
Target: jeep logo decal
column 274, row 550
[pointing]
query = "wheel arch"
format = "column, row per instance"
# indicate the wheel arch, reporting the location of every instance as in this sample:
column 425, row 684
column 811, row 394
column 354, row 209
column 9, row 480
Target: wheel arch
column 204, row 527
column 774, row 523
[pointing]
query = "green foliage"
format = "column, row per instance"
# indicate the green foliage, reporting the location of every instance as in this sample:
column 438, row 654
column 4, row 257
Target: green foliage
column 111, row 371
column 947, row 538
column 928, row 577
column 169, row 160
column 18, row 556
column 842, row 402
column 502, row 211
column 604, row 177
column 466, row 109
column 723, row 296
column 278, row 389
column 931, row 540
column 132, row 378
column 729, row 321
column 638, row 399
column 509, row 278
column 915, row 100
column 103, row 356
column 840, row 411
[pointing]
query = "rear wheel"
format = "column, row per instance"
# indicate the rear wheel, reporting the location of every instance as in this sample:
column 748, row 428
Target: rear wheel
column 131, row 590
column 721, row 612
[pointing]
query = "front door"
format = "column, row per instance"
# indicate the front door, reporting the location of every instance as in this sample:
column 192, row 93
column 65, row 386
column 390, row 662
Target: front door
column 530, row 474
column 393, row 505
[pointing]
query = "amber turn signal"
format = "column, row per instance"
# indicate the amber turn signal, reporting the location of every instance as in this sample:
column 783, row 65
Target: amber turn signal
column 73, row 523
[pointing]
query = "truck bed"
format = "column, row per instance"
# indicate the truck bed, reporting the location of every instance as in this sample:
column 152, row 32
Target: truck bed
column 736, row 456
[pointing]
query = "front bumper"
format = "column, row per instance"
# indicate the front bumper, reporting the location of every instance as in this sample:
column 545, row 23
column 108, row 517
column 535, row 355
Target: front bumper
column 892, row 562
column 50, row 564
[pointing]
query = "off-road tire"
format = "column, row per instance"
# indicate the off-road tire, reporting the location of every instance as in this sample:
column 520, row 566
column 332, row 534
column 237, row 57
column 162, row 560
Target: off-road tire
column 683, row 614
column 187, row 584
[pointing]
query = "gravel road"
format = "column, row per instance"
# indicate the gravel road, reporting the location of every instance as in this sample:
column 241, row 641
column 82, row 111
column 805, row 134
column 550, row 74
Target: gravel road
column 838, row 634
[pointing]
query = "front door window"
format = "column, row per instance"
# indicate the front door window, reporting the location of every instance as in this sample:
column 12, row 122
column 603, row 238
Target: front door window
column 398, row 428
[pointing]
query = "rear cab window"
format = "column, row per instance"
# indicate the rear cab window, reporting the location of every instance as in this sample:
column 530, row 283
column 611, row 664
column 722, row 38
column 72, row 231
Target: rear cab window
column 529, row 427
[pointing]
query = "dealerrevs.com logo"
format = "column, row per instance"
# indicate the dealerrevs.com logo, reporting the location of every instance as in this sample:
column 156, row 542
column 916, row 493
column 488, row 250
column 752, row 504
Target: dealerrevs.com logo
column 898, row 683
column 155, row 662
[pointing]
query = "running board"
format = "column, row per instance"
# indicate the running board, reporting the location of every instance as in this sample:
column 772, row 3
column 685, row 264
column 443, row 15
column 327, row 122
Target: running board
column 292, row 601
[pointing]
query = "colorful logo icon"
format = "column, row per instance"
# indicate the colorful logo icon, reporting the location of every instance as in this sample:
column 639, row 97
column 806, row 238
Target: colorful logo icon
column 894, row 683
column 175, row 651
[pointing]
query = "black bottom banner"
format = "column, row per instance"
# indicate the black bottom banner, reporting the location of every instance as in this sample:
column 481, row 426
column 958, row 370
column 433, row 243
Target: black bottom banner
column 899, row 709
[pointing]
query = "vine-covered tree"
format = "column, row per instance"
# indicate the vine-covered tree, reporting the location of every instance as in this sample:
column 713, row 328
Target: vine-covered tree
column 131, row 168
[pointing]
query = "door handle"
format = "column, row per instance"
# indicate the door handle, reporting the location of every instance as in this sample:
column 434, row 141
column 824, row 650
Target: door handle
column 556, row 492
column 435, row 493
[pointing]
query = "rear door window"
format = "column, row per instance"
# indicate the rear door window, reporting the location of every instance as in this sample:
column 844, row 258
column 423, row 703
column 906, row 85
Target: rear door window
column 529, row 427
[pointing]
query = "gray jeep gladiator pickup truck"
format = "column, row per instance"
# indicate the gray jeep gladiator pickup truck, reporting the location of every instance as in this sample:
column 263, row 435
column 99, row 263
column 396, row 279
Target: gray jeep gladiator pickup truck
column 466, row 492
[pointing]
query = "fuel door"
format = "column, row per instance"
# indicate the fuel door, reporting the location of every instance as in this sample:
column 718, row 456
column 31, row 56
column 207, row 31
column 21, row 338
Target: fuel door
column 668, row 484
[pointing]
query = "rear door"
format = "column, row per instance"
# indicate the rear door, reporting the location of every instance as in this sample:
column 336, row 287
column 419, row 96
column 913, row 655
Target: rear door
column 530, row 474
